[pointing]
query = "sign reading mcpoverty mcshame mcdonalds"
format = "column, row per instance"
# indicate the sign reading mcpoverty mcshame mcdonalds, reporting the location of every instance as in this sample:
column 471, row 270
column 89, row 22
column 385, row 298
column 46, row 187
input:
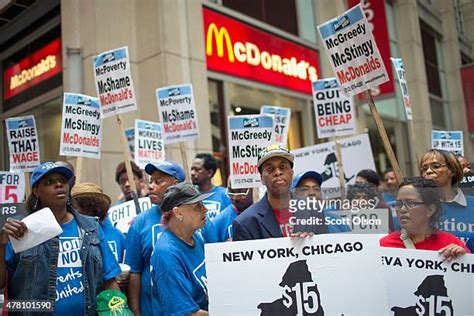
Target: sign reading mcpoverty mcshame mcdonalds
column 241, row 50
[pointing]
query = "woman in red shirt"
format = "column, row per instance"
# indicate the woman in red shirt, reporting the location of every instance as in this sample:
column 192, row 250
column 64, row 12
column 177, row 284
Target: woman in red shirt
column 418, row 208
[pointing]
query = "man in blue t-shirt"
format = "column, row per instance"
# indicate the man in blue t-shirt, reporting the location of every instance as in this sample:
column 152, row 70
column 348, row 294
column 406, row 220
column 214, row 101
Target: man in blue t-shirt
column 202, row 170
column 143, row 234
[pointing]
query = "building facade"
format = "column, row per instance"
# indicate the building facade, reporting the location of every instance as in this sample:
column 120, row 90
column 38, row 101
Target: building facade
column 239, row 55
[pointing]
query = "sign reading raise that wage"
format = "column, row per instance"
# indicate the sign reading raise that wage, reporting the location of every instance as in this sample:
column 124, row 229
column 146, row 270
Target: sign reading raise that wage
column 334, row 113
column 177, row 113
column 81, row 128
column 420, row 283
column 352, row 52
column 322, row 158
column 114, row 83
column 149, row 147
column 12, row 187
column 248, row 135
column 281, row 121
column 23, row 143
column 448, row 140
column 319, row 275
column 400, row 70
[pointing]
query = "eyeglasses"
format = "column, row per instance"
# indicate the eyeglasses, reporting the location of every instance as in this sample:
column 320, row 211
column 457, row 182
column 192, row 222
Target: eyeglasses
column 409, row 205
column 434, row 166
column 307, row 189
column 237, row 194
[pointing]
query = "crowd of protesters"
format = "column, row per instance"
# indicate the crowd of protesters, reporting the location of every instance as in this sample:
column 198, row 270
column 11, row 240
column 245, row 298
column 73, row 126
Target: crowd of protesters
column 164, row 246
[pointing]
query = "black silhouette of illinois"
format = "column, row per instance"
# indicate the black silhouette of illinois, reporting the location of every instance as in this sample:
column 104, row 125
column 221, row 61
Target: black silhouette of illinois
column 331, row 168
column 431, row 285
column 297, row 272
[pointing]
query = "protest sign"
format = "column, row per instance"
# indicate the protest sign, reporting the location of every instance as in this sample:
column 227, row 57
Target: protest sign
column 400, row 70
column 130, row 136
column 319, row 275
column 451, row 141
column 81, row 127
column 149, row 147
column 114, row 84
column 23, row 143
column 177, row 113
column 420, row 283
column 11, row 210
column 12, row 187
column 248, row 135
column 333, row 112
column 122, row 215
column 322, row 158
column 353, row 52
column 281, row 122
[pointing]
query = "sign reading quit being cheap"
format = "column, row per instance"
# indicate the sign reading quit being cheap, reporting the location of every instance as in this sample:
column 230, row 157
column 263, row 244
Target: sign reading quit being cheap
column 352, row 52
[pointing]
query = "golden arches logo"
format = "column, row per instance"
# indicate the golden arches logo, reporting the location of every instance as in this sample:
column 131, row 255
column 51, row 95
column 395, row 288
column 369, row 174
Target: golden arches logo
column 220, row 35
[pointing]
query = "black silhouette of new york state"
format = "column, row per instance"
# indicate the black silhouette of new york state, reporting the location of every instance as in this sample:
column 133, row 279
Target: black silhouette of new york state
column 431, row 285
column 297, row 272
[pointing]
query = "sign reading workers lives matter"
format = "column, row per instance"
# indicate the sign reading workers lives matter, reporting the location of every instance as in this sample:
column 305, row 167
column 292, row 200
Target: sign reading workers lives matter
column 334, row 113
column 12, row 187
column 352, row 52
column 248, row 135
column 448, row 140
column 178, row 115
column 114, row 83
column 420, row 283
column 333, row 274
column 400, row 70
column 149, row 147
column 322, row 158
column 23, row 143
column 81, row 130
column 123, row 214
column 281, row 121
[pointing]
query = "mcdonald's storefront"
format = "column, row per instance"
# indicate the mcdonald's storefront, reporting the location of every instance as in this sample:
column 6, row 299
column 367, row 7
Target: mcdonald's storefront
column 249, row 67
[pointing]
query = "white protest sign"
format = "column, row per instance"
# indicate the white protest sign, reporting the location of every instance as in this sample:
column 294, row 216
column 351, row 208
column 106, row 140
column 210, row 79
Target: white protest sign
column 448, row 140
column 130, row 135
column 322, row 158
column 122, row 215
column 334, row 113
column 149, row 147
column 114, row 82
column 400, row 70
column 177, row 113
column 12, row 187
column 248, row 135
column 420, row 283
column 352, row 52
column 23, row 143
column 81, row 129
column 332, row 274
column 281, row 121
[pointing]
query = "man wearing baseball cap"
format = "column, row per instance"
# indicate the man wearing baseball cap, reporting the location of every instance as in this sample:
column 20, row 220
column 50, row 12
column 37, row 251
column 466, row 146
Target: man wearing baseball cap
column 271, row 215
column 307, row 184
column 143, row 234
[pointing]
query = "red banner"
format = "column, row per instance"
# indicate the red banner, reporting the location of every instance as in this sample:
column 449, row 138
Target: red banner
column 39, row 66
column 375, row 12
column 467, row 77
column 241, row 50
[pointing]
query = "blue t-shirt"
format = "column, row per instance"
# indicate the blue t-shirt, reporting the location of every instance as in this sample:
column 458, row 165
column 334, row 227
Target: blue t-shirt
column 115, row 239
column 223, row 223
column 179, row 275
column 216, row 202
column 459, row 220
column 69, row 282
column 141, row 237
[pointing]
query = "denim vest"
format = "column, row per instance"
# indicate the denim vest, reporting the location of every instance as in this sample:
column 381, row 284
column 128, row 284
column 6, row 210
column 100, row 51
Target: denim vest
column 35, row 275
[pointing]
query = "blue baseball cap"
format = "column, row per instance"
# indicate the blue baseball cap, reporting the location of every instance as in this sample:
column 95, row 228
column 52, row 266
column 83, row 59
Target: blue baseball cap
column 49, row 167
column 169, row 167
column 308, row 174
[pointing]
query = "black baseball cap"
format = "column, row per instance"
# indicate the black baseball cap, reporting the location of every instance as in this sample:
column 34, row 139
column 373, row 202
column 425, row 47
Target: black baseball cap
column 181, row 194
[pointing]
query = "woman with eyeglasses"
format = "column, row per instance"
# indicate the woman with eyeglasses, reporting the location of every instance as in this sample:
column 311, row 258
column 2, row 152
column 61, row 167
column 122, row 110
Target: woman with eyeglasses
column 418, row 207
column 458, row 209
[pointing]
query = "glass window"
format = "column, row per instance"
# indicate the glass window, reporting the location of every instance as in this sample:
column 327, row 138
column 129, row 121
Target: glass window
column 306, row 20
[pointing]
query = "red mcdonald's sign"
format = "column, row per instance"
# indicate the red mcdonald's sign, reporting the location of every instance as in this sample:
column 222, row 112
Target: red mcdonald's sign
column 241, row 50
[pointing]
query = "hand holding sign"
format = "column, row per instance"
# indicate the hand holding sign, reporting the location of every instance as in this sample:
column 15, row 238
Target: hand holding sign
column 13, row 228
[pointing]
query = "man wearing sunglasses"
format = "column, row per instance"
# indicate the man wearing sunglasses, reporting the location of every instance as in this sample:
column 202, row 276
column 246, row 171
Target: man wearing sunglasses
column 272, row 216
